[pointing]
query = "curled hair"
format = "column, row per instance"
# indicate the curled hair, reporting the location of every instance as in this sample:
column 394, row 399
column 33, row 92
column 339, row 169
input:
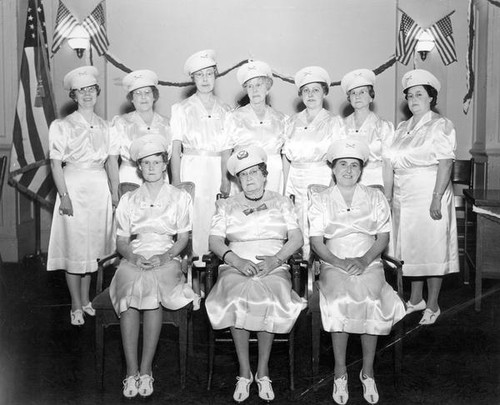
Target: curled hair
column 261, row 166
column 324, row 85
column 154, row 89
column 334, row 162
column 371, row 92
column 431, row 92
column 72, row 92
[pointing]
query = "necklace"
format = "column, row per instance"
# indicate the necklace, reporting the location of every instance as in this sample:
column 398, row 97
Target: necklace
column 256, row 198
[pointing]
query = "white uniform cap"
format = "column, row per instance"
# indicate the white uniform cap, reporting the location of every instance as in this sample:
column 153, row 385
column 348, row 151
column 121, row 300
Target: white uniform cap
column 244, row 158
column 147, row 145
column 311, row 74
column 199, row 60
column 139, row 78
column 419, row 77
column 357, row 78
column 348, row 148
column 252, row 69
column 80, row 77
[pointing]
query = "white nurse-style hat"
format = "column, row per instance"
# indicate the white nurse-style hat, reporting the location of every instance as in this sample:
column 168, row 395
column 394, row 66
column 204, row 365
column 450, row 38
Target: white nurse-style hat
column 199, row 60
column 244, row 158
column 419, row 77
column 311, row 74
column 252, row 69
column 147, row 145
column 348, row 148
column 81, row 77
column 139, row 78
column 357, row 78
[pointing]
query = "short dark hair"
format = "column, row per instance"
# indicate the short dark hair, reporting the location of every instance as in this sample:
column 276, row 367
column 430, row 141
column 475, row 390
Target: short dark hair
column 334, row 162
column 326, row 88
column 431, row 91
column 371, row 92
column 72, row 92
column 154, row 89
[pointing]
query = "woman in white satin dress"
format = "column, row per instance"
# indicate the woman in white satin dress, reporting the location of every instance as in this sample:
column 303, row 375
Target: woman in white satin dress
column 308, row 135
column 198, row 142
column 254, row 233
column 421, row 157
column 153, row 224
column 82, row 222
column 349, row 229
column 142, row 92
column 364, row 124
column 257, row 123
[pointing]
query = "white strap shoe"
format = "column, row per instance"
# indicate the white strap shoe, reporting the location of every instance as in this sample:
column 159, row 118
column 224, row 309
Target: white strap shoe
column 242, row 390
column 340, row 392
column 266, row 392
column 370, row 392
column 145, row 386
column 131, row 386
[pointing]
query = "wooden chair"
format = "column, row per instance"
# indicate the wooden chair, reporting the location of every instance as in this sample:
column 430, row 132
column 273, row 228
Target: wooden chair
column 394, row 274
column 3, row 170
column 463, row 177
column 106, row 316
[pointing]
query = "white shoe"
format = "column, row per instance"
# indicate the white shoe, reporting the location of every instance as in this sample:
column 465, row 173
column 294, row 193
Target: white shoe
column 77, row 317
column 340, row 393
column 145, row 385
column 429, row 316
column 417, row 307
column 242, row 390
column 130, row 386
column 89, row 309
column 370, row 392
column 266, row 392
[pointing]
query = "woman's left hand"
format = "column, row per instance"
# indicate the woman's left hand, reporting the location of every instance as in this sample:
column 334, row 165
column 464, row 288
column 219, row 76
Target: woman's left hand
column 355, row 266
column 160, row 260
column 267, row 264
column 435, row 208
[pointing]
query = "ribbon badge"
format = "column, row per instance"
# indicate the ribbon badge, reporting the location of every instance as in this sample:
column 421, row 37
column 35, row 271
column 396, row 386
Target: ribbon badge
column 249, row 211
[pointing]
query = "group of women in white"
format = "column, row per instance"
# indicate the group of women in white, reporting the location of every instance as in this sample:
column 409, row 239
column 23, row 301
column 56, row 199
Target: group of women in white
column 384, row 189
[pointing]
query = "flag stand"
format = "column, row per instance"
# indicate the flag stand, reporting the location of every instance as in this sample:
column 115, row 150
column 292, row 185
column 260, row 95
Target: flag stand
column 38, row 257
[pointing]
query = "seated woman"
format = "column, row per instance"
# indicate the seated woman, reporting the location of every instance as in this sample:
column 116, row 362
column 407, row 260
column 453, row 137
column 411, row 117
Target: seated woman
column 349, row 229
column 153, row 224
column 254, row 289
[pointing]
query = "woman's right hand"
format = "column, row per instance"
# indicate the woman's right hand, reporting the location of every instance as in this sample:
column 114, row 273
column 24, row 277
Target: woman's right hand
column 142, row 262
column 66, row 208
column 246, row 267
column 354, row 266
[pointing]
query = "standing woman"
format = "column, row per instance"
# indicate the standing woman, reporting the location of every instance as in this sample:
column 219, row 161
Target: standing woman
column 82, row 231
column 143, row 94
column 424, row 231
column 365, row 124
column 198, row 143
column 308, row 135
column 257, row 123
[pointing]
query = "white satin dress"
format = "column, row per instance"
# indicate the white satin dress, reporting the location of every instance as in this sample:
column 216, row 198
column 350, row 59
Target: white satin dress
column 428, row 247
column 203, row 140
column 76, row 242
column 354, row 304
column 252, row 303
column 153, row 224
column 377, row 133
column 306, row 145
column 128, row 127
column 243, row 128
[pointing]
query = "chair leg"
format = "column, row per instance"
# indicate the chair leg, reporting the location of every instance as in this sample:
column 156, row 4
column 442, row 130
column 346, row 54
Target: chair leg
column 398, row 357
column 291, row 356
column 211, row 357
column 99, row 352
column 183, row 341
column 190, row 336
column 316, row 340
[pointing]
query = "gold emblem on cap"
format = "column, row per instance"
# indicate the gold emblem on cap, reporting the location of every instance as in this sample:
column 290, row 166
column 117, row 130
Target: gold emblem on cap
column 350, row 145
column 242, row 154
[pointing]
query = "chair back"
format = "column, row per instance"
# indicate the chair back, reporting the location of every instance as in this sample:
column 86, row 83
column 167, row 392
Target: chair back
column 3, row 170
column 462, row 174
column 125, row 187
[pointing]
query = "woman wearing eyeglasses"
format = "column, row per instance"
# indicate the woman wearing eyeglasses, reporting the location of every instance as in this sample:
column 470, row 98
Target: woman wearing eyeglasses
column 142, row 93
column 82, row 231
column 198, row 143
column 308, row 135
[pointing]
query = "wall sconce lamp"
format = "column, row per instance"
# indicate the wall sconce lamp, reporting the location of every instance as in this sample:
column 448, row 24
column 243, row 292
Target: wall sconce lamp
column 425, row 44
column 79, row 40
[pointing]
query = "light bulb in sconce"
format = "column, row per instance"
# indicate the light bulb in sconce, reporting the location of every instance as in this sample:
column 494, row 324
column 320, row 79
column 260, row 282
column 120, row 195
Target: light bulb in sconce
column 425, row 44
column 79, row 40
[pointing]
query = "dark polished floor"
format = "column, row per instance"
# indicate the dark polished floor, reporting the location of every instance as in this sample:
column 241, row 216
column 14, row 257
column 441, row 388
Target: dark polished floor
column 43, row 360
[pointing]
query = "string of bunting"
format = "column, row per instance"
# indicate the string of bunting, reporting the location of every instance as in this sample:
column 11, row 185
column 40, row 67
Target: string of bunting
column 119, row 65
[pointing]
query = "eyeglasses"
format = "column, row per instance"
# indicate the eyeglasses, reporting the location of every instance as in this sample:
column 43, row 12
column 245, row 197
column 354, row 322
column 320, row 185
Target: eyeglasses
column 88, row 89
column 358, row 93
column 246, row 174
column 315, row 91
column 143, row 93
column 200, row 74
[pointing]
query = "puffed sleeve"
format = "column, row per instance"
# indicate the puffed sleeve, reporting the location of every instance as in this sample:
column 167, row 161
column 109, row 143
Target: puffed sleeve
column 57, row 140
column 177, row 125
column 122, row 215
column 316, row 215
column 383, row 212
column 230, row 126
column 337, row 128
column 289, row 214
column 219, row 219
column 184, row 212
column 289, row 125
column 386, row 131
column 444, row 138
column 116, row 130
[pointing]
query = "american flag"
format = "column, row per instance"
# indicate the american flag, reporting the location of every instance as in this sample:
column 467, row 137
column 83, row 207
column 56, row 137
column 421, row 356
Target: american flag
column 409, row 31
column 30, row 170
column 65, row 23
column 95, row 24
column 445, row 44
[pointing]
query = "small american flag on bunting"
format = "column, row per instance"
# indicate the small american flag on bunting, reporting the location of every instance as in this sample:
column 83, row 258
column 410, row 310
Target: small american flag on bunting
column 409, row 31
column 445, row 44
column 65, row 23
column 95, row 24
